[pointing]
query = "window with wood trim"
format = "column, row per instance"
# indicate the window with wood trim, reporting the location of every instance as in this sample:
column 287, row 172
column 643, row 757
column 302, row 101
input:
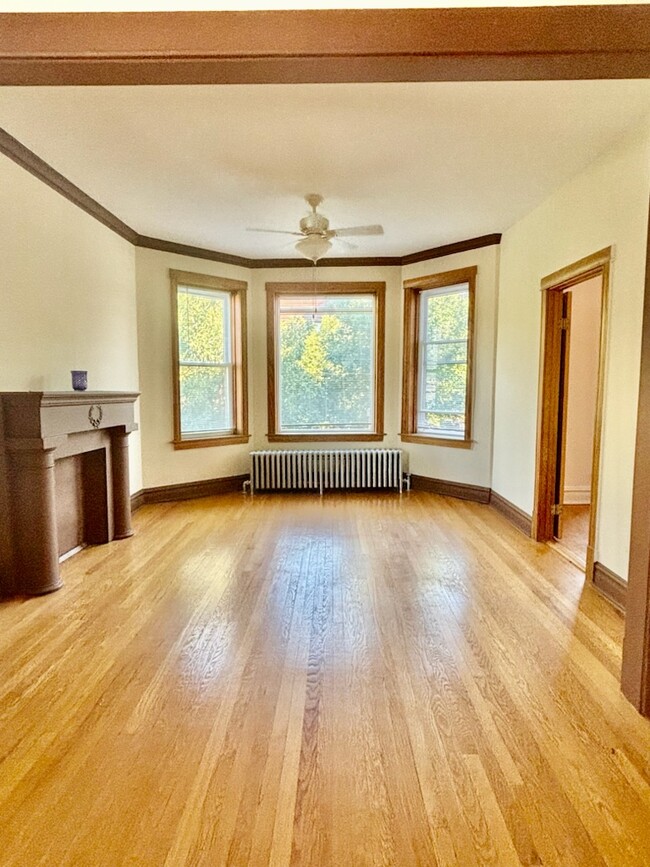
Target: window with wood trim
column 325, row 361
column 209, row 353
column 437, row 379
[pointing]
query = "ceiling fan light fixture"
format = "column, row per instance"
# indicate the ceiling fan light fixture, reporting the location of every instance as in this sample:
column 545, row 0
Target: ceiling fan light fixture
column 313, row 247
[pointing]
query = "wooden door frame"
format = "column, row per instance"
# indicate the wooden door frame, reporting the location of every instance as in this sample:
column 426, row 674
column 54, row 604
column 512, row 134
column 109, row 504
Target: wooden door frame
column 635, row 671
column 553, row 286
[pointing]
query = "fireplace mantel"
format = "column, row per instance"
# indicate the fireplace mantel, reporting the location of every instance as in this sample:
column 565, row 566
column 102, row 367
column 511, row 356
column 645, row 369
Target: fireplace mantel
column 37, row 430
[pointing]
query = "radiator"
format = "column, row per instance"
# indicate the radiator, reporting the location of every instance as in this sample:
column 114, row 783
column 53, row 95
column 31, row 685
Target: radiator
column 319, row 470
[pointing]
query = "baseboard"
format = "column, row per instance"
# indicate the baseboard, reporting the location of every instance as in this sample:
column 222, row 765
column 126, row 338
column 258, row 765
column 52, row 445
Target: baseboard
column 610, row 585
column 450, row 489
column 137, row 500
column 577, row 496
column 188, row 490
column 514, row 514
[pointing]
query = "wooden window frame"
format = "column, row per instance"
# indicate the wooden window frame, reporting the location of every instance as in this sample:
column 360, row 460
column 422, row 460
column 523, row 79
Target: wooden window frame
column 410, row 366
column 238, row 324
column 275, row 291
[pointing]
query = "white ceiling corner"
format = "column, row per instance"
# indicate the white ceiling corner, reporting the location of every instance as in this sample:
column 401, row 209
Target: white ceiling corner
column 433, row 162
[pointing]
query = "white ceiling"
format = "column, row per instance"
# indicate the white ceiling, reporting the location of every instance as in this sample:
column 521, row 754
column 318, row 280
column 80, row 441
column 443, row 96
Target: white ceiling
column 433, row 162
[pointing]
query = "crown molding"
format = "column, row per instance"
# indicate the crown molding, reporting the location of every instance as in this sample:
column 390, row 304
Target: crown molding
column 334, row 45
column 450, row 249
column 189, row 250
column 330, row 262
column 32, row 163
column 28, row 160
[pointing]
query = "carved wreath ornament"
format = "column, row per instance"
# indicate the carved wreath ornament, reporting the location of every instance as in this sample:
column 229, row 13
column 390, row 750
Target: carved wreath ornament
column 95, row 415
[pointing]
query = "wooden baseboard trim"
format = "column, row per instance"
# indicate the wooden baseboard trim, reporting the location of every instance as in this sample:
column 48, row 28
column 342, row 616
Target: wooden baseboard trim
column 450, row 489
column 611, row 585
column 137, row 500
column 190, row 490
column 522, row 520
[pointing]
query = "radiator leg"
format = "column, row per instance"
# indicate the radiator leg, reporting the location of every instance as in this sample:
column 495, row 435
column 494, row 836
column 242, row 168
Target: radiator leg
column 247, row 488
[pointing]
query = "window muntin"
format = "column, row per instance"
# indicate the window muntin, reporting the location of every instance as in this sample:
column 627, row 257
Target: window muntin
column 205, row 362
column 443, row 369
column 326, row 363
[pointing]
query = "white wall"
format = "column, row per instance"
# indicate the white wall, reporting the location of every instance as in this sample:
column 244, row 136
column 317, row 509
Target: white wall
column 68, row 296
column 582, row 389
column 162, row 464
column 605, row 205
column 470, row 466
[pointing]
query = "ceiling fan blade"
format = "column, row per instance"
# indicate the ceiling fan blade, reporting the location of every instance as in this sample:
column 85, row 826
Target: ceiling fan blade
column 345, row 243
column 275, row 231
column 359, row 230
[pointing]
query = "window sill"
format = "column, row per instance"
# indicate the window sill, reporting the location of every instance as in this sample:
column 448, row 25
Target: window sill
column 209, row 442
column 423, row 439
column 326, row 438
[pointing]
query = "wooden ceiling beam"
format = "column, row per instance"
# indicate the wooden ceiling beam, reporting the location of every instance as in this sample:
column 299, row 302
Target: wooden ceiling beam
column 339, row 45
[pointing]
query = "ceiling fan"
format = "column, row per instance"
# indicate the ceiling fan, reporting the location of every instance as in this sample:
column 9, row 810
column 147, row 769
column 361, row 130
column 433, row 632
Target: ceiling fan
column 315, row 234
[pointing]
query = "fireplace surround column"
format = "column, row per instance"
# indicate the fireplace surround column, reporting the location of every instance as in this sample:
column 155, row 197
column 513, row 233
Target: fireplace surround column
column 34, row 520
column 121, row 492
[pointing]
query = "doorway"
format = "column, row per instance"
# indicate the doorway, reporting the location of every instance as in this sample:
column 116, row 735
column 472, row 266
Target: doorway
column 574, row 330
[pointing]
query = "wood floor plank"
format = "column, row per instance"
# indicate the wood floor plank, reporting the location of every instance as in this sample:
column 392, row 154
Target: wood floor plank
column 358, row 679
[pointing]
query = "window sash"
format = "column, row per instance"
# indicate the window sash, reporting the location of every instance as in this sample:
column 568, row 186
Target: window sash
column 286, row 307
column 425, row 367
column 226, row 299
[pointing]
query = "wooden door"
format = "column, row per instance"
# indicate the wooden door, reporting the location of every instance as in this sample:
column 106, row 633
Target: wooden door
column 563, row 403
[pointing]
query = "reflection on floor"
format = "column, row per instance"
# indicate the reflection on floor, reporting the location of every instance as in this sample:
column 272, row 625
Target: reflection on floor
column 303, row 681
column 575, row 530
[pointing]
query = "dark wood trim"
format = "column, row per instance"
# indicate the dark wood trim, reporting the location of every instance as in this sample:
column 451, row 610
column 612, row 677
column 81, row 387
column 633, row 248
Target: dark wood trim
column 410, row 354
column 27, row 159
column 275, row 291
column 137, row 500
column 330, row 262
column 522, row 520
column 460, row 490
column 635, row 672
column 337, row 45
column 193, row 490
column 450, row 249
column 610, row 585
column 188, row 250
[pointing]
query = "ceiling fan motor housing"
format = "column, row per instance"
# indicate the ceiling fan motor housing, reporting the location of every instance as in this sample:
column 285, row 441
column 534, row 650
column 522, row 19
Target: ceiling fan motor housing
column 314, row 224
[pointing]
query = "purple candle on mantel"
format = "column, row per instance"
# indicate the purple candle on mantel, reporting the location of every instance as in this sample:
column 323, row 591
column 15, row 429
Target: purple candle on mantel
column 79, row 379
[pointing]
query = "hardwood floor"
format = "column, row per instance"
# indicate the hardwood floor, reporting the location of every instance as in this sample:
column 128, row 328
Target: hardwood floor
column 575, row 531
column 285, row 680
